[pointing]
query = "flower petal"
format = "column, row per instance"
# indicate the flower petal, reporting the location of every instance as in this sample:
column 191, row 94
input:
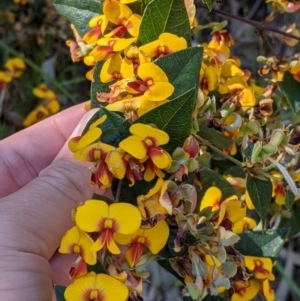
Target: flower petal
column 159, row 157
column 157, row 236
column 89, row 215
column 97, row 286
column 126, row 216
column 134, row 146
column 159, row 91
column 88, row 138
column 212, row 198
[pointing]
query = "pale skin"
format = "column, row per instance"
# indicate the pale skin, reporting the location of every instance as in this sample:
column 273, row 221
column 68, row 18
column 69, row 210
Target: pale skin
column 40, row 183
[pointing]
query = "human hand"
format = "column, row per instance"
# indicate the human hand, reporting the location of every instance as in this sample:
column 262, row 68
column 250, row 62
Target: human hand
column 40, row 183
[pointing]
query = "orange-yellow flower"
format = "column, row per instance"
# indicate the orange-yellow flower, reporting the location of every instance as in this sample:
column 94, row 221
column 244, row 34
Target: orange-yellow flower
column 154, row 84
column 42, row 91
column 97, row 216
column 76, row 241
column 96, row 287
column 261, row 267
column 167, row 43
column 244, row 224
column 231, row 209
column 98, row 25
column 116, row 68
column 120, row 163
column 156, row 201
column 278, row 189
column 245, row 292
column 15, row 66
column 154, row 239
column 122, row 16
column 145, row 142
column 108, row 47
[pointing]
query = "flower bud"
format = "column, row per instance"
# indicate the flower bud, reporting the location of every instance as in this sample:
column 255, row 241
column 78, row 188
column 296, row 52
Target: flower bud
column 191, row 146
column 277, row 137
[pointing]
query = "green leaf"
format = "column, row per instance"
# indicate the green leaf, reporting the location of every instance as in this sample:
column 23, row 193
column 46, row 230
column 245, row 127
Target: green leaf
column 3, row 55
column 167, row 266
column 213, row 136
column 97, row 86
column 293, row 222
column 79, row 12
column 182, row 68
column 266, row 244
column 164, row 16
column 174, row 117
column 291, row 90
column 260, row 193
column 211, row 178
column 289, row 199
column 110, row 127
column 209, row 4
column 97, row 268
column 59, row 291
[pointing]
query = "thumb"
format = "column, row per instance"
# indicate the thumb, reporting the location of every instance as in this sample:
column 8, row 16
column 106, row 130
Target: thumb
column 33, row 220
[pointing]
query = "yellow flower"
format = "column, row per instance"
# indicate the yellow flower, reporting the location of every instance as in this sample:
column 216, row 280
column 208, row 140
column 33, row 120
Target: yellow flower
column 97, row 216
column 167, row 43
column 245, row 292
column 122, row 16
column 108, row 47
column 154, row 84
column 248, row 201
column 231, row 209
column 98, row 25
column 261, row 267
column 15, row 66
column 278, row 190
column 42, row 91
column 96, row 287
column 295, row 70
column 93, row 134
column 116, row 68
column 76, row 241
column 97, row 153
column 4, row 79
column 244, row 224
column 154, row 239
column 156, row 201
column 145, row 142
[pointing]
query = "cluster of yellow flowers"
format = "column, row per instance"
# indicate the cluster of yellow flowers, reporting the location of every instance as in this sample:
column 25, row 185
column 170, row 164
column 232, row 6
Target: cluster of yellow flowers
column 13, row 68
column 49, row 105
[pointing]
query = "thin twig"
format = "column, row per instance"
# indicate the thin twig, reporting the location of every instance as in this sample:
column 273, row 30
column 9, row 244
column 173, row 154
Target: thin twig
column 205, row 142
column 257, row 25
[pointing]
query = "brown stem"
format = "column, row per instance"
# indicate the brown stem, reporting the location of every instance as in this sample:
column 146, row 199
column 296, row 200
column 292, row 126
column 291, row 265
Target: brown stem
column 259, row 26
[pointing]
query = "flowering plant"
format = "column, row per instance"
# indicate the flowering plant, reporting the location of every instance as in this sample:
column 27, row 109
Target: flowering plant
column 189, row 146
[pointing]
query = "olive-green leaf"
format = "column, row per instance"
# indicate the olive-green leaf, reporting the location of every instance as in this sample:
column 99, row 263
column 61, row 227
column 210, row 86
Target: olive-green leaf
column 293, row 222
column 59, row 291
column 164, row 16
column 213, row 136
column 267, row 244
column 289, row 199
column 260, row 193
column 97, row 86
column 174, row 117
column 182, row 68
column 291, row 90
column 79, row 12
column 209, row 4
